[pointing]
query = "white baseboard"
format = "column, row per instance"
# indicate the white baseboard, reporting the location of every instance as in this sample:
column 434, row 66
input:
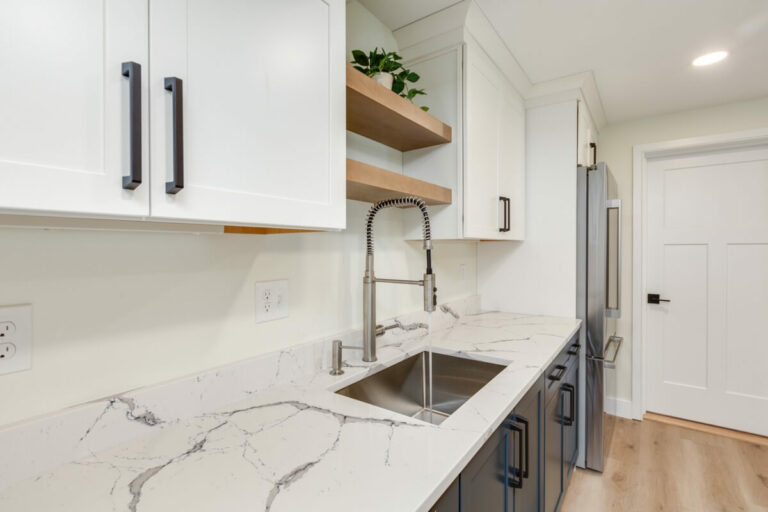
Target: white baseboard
column 618, row 407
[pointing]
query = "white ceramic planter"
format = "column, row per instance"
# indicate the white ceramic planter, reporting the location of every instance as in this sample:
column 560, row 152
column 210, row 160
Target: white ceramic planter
column 385, row 79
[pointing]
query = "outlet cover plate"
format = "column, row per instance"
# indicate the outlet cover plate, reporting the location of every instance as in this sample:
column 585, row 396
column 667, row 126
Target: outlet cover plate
column 271, row 300
column 19, row 355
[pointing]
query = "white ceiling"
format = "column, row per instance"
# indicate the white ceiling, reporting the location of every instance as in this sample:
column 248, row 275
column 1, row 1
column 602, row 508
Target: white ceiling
column 640, row 51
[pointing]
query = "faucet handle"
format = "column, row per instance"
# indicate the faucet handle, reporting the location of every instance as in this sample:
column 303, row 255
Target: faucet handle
column 430, row 293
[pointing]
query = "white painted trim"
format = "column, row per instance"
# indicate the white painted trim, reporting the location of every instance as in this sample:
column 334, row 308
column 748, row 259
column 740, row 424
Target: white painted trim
column 581, row 86
column 452, row 26
column 641, row 154
column 618, row 407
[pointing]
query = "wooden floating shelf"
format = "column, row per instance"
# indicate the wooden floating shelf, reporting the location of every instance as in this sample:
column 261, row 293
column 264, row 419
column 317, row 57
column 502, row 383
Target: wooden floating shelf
column 372, row 184
column 375, row 112
column 247, row 230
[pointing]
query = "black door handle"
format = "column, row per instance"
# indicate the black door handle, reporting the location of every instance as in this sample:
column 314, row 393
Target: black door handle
column 653, row 298
column 524, row 422
column 516, row 480
column 505, row 201
column 574, row 349
column 174, row 85
column 132, row 71
column 569, row 419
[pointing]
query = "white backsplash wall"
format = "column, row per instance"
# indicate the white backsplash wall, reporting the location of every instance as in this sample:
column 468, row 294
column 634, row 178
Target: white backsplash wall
column 116, row 310
column 538, row 275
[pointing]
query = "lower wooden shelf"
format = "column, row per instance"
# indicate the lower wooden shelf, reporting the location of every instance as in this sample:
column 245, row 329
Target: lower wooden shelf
column 247, row 230
column 372, row 184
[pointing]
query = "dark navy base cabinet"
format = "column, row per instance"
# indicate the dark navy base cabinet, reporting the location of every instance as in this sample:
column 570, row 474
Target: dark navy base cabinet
column 527, row 415
column 560, row 425
column 449, row 501
column 525, row 466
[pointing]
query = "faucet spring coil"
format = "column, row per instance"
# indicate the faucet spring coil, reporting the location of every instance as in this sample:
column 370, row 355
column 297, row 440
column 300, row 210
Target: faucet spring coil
column 388, row 203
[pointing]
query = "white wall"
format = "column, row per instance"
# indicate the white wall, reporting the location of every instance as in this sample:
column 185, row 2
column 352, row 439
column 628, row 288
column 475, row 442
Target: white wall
column 538, row 275
column 615, row 148
column 116, row 310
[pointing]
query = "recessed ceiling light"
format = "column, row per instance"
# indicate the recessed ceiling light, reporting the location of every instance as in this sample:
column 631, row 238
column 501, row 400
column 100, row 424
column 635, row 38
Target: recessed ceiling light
column 710, row 58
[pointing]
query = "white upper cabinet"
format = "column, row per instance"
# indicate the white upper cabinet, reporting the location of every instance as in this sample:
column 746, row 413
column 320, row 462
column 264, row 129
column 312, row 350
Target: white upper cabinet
column 66, row 107
column 494, row 163
column 254, row 126
column 485, row 164
column 246, row 101
column 587, row 135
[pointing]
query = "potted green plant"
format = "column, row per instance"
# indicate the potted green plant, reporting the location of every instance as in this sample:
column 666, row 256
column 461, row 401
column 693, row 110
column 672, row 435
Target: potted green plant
column 385, row 67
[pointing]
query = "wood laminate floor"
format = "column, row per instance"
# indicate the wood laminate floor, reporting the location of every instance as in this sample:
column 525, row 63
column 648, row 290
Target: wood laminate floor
column 652, row 466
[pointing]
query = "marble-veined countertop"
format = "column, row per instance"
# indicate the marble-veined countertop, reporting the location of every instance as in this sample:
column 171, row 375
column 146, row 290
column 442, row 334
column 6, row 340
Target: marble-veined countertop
column 301, row 447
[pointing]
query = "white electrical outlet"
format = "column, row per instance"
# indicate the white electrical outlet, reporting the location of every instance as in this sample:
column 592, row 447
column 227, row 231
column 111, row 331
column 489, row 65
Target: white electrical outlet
column 271, row 300
column 15, row 338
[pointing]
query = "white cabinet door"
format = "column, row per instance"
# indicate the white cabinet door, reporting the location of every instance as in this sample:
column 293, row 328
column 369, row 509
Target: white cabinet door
column 494, row 166
column 65, row 108
column 482, row 131
column 512, row 163
column 587, row 134
column 263, row 109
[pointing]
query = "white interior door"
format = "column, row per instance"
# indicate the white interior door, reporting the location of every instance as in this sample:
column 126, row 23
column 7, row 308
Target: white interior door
column 707, row 253
column 263, row 108
column 64, row 105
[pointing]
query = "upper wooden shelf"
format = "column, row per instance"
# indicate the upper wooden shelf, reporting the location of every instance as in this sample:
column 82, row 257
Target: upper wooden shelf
column 372, row 184
column 375, row 112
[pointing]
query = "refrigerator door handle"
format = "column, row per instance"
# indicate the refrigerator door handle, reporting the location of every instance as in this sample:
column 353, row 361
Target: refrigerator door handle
column 609, row 363
column 615, row 204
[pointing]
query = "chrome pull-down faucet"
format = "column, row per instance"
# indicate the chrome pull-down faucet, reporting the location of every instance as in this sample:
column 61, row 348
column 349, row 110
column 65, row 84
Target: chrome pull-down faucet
column 370, row 280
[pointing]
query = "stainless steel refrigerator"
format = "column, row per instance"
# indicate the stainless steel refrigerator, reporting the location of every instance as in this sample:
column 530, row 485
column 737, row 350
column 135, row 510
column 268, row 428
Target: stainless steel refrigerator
column 597, row 303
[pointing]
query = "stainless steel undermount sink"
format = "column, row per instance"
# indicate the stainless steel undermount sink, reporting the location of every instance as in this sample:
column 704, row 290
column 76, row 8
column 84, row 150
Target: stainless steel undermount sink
column 405, row 388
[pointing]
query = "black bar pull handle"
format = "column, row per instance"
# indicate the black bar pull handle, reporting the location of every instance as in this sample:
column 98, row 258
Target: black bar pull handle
column 574, row 349
column 571, row 417
column 505, row 202
column 174, row 85
column 558, row 373
column 516, row 480
column 132, row 71
column 526, row 431
column 507, row 219
column 593, row 146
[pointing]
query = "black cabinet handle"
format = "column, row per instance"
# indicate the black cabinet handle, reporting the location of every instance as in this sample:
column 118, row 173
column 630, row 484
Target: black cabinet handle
column 571, row 417
column 526, row 431
column 505, row 201
column 516, row 480
column 574, row 349
column 132, row 71
column 558, row 373
column 174, row 85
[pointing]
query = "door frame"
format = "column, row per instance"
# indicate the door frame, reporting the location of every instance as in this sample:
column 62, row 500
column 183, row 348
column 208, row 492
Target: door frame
column 640, row 156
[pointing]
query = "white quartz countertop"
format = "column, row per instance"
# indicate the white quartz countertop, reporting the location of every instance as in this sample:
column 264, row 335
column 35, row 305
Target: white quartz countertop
column 301, row 447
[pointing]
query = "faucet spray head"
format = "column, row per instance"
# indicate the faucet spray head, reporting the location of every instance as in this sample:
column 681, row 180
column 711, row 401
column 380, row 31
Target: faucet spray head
column 430, row 292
